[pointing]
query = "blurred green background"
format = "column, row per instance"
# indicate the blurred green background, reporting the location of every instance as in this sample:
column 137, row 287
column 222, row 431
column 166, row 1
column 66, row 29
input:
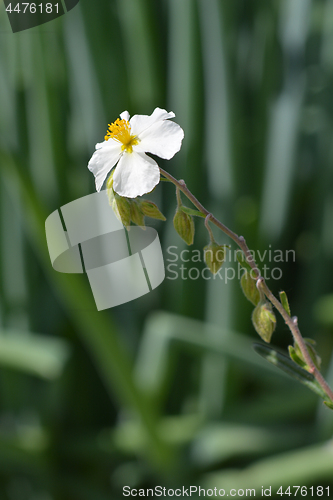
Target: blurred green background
column 166, row 390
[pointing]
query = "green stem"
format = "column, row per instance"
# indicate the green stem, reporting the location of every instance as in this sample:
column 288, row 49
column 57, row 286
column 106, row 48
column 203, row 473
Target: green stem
column 179, row 200
column 210, row 232
column 291, row 322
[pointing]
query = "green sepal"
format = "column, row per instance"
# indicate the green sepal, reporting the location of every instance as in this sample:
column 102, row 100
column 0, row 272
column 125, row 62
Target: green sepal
column 270, row 313
column 295, row 358
column 121, row 207
column 184, row 225
column 310, row 343
column 136, row 213
column 329, row 404
column 285, row 302
column 150, row 209
column 190, row 211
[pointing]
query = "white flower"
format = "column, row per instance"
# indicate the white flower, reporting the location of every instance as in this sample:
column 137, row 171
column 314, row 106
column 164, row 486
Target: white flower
column 126, row 142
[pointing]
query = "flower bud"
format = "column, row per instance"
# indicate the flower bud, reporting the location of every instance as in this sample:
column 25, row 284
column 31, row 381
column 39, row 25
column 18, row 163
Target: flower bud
column 242, row 260
column 137, row 215
column 264, row 320
column 214, row 256
column 249, row 288
column 310, row 345
column 184, row 225
column 151, row 210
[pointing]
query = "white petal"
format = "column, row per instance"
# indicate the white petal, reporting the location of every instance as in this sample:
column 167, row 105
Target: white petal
column 140, row 123
column 163, row 139
column 135, row 175
column 99, row 145
column 125, row 116
column 102, row 161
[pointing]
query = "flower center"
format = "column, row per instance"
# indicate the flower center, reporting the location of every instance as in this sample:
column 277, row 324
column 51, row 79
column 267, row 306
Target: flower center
column 120, row 131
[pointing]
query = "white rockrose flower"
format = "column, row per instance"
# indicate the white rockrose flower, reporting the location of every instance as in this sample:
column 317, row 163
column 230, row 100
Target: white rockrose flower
column 126, row 142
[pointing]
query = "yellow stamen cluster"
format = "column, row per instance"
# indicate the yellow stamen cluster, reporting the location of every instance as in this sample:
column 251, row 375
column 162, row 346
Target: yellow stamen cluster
column 120, row 131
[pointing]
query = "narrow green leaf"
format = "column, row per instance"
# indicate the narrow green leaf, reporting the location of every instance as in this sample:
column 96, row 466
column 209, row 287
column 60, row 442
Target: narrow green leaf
column 285, row 302
column 287, row 365
column 190, row 211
